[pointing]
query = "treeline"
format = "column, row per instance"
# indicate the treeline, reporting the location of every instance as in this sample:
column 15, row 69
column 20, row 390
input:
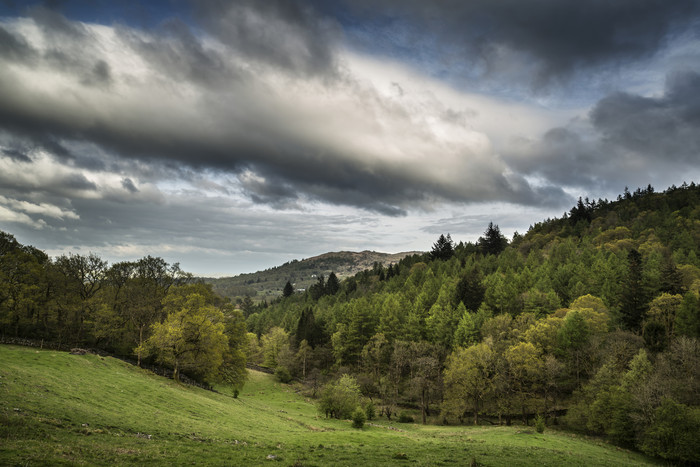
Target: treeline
column 592, row 314
column 146, row 309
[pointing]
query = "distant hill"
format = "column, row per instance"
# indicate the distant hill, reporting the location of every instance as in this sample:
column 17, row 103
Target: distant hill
column 268, row 284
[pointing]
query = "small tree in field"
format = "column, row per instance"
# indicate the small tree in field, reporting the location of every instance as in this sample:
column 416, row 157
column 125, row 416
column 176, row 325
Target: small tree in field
column 339, row 399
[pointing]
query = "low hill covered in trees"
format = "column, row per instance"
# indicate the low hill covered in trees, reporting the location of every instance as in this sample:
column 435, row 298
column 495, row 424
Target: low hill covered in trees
column 269, row 284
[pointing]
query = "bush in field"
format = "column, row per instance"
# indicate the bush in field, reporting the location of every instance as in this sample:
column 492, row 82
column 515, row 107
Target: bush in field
column 340, row 398
column 358, row 418
column 370, row 411
column 539, row 424
column 283, row 374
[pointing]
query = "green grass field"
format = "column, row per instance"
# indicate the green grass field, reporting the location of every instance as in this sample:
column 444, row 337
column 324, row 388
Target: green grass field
column 62, row 409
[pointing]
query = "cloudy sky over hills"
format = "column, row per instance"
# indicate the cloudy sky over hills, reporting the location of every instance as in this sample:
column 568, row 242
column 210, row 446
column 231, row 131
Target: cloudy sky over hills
column 232, row 136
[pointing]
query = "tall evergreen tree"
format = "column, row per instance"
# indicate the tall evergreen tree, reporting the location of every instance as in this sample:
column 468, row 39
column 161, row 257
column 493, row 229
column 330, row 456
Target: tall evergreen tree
column 633, row 300
column 288, row 290
column 332, row 284
column 308, row 329
column 493, row 241
column 470, row 290
column 443, row 249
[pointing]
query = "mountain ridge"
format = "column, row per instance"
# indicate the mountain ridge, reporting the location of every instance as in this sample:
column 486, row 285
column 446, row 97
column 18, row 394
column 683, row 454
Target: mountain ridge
column 268, row 284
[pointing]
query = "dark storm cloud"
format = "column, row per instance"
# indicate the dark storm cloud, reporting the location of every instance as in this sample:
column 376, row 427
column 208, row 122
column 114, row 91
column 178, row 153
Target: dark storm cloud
column 560, row 35
column 627, row 139
column 16, row 155
column 666, row 127
column 202, row 107
column 128, row 185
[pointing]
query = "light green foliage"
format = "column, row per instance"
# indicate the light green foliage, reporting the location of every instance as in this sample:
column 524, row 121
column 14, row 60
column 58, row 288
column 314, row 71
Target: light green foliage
column 393, row 316
column 466, row 333
column 663, row 309
column 468, row 379
column 273, row 343
column 340, row 398
column 191, row 339
column 593, row 311
column 526, row 371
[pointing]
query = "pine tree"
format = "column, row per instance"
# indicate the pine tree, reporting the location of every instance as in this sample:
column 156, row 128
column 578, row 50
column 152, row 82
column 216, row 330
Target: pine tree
column 493, row 241
column 288, row 290
column 332, row 284
column 633, row 298
column 443, row 249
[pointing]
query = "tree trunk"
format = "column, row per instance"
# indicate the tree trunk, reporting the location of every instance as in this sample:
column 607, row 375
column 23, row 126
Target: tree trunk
column 476, row 411
column 176, row 374
column 422, row 405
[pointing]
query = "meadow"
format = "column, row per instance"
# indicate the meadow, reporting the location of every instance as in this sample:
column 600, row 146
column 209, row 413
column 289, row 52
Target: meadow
column 63, row 409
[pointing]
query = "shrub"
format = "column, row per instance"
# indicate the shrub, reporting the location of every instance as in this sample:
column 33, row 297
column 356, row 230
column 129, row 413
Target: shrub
column 370, row 411
column 405, row 418
column 539, row 424
column 283, row 374
column 358, row 418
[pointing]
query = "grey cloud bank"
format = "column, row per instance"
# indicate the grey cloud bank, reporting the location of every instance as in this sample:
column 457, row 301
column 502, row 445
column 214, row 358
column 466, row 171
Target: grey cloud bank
column 275, row 129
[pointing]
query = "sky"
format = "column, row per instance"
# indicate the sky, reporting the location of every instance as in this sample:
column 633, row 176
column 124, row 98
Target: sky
column 233, row 136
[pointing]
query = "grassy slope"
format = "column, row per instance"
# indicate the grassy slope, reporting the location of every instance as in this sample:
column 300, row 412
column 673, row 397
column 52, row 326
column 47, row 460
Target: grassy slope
column 57, row 408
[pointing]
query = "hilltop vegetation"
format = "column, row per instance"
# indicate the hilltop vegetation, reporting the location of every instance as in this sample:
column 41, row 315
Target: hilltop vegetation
column 301, row 274
column 61, row 409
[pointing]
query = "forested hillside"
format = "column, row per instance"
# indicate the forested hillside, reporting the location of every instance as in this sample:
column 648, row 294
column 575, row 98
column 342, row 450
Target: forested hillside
column 269, row 284
column 590, row 321
column 594, row 315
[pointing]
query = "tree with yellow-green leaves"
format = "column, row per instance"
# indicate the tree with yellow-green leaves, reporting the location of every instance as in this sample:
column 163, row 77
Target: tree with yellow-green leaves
column 192, row 337
column 468, row 379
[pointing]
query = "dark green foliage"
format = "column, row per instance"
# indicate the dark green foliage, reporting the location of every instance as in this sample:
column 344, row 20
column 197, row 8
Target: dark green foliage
column 493, row 242
column 674, row 433
column 283, row 374
column 370, row 411
column 654, row 334
column 539, row 424
column 288, row 290
column 358, row 418
column 510, row 299
column 671, row 279
column 470, row 290
column 405, row 417
column 580, row 212
column 633, row 300
column 308, row 329
column 688, row 316
column 332, row 285
column 443, row 249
